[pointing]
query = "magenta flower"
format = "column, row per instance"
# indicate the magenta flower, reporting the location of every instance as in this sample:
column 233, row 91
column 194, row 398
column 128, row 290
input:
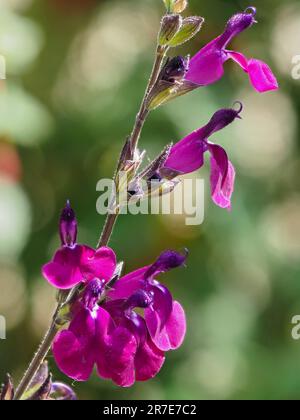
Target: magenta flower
column 188, row 156
column 207, row 66
column 114, row 339
column 75, row 349
column 74, row 263
column 129, row 354
column 164, row 317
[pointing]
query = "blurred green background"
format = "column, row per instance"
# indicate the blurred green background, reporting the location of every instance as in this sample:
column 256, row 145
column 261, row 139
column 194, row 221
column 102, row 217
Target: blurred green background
column 76, row 71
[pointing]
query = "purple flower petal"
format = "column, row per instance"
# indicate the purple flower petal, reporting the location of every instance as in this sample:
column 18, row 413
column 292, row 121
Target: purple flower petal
column 239, row 58
column 104, row 327
column 187, row 155
column 63, row 271
column 162, row 304
column 118, row 357
column 128, row 285
column 222, row 188
column 71, row 357
column 71, row 265
column 260, row 74
column 100, row 263
column 73, row 349
column 148, row 361
column 172, row 335
column 176, row 326
column 206, row 67
column 220, row 162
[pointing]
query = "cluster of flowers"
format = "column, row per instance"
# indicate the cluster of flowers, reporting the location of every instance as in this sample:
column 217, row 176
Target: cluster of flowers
column 106, row 329
column 123, row 345
column 205, row 68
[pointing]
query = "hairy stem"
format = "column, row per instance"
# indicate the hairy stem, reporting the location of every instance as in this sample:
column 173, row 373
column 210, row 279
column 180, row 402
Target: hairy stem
column 39, row 357
column 45, row 346
column 135, row 136
column 108, row 229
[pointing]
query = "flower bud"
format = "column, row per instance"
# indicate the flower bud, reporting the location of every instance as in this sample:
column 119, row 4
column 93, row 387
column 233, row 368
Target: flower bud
column 170, row 78
column 174, row 69
column 62, row 392
column 68, row 226
column 179, row 5
column 170, row 25
column 42, row 393
column 175, row 6
column 189, row 28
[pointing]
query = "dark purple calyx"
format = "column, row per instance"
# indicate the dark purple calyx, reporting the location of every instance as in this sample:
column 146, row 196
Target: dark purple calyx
column 68, row 226
column 174, row 69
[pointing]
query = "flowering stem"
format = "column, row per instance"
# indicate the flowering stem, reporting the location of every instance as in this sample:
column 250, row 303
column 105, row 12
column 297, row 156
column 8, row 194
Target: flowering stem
column 108, row 229
column 106, row 232
column 135, row 136
column 38, row 357
column 143, row 111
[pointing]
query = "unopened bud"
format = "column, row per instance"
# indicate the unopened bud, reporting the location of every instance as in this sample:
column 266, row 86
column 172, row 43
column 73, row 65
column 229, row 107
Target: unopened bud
column 42, row 393
column 170, row 25
column 62, row 392
column 68, row 226
column 189, row 28
column 179, row 5
column 175, row 6
column 175, row 69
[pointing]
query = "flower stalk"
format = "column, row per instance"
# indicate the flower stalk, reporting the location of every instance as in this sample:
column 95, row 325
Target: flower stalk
column 134, row 137
column 101, row 318
column 39, row 357
column 107, row 230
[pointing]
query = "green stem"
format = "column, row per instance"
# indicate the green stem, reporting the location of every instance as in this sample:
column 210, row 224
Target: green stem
column 135, row 136
column 46, row 343
column 39, row 357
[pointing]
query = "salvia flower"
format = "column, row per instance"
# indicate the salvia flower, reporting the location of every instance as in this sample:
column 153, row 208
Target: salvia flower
column 74, row 263
column 165, row 318
column 207, row 66
column 129, row 353
column 74, row 349
column 188, row 156
column 123, row 345
column 113, row 338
